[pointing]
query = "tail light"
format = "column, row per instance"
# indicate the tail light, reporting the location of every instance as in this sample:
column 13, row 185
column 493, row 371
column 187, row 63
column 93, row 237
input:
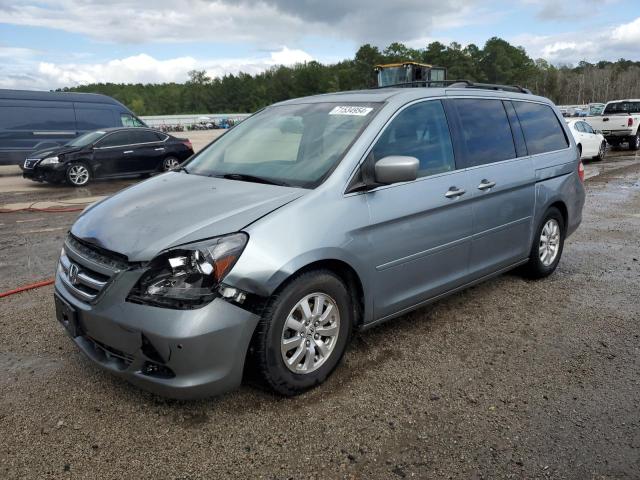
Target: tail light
column 187, row 143
column 581, row 171
column 630, row 122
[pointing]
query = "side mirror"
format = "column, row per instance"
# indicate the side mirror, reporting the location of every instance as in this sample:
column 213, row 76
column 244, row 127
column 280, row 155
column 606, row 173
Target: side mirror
column 396, row 169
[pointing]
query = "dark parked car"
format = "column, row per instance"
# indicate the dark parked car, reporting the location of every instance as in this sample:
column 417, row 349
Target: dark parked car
column 108, row 153
column 32, row 121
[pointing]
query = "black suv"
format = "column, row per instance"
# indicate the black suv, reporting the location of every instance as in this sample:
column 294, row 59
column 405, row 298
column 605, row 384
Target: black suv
column 108, row 153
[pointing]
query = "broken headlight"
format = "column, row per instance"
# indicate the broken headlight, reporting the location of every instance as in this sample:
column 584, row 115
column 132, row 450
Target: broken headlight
column 188, row 276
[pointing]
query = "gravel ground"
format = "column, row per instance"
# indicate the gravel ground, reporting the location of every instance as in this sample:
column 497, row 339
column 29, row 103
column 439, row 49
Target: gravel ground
column 510, row 379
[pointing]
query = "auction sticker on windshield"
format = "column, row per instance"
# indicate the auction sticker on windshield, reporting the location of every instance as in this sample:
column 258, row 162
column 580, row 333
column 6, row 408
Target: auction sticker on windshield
column 350, row 110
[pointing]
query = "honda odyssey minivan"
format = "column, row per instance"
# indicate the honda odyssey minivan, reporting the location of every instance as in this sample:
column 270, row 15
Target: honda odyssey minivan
column 312, row 218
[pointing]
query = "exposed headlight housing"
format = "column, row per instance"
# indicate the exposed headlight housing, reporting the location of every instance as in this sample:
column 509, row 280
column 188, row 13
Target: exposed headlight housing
column 188, row 276
column 50, row 161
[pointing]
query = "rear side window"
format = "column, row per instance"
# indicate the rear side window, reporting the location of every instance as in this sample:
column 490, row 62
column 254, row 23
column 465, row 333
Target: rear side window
column 94, row 118
column 37, row 118
column 622, row 107
column 419, row 131
column 541, row 128
column 143, row 136
column 486, row 133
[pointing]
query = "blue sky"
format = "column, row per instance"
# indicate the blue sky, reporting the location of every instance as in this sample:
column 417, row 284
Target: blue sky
column 48, row 44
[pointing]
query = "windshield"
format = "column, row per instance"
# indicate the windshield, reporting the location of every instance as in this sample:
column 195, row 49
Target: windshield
column 622, row 107
column 296, row 145
column 393, row 76
column 86, row 139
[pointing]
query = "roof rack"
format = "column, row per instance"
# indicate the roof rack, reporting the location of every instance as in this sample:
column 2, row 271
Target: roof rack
column 459, row 84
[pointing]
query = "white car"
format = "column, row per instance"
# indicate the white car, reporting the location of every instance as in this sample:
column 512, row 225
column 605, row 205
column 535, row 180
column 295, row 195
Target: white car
column 590, row 142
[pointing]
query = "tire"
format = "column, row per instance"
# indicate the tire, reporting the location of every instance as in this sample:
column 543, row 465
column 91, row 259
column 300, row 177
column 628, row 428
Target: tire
column 537, row 267
column 269, row 350
column 170, row 163
column 78, row 174
column 602, row 152
column 634, row 142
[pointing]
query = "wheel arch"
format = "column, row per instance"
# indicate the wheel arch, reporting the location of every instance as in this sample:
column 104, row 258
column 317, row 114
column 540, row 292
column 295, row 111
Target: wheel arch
column 562, row 207
column 342, row 270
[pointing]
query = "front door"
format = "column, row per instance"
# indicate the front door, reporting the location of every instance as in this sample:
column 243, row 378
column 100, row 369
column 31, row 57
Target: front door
column 420, row 231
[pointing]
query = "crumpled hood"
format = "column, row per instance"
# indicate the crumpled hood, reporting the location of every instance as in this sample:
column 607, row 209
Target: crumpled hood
column 174, row 209
column 48, row 152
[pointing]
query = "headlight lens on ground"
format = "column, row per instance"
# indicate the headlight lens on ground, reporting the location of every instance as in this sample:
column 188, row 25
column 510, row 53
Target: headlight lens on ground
column 188, row 276
column 50, row 161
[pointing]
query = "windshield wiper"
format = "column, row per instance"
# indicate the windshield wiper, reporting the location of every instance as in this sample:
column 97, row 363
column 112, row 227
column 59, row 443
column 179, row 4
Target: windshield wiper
column 251, row 178
column 182, row 169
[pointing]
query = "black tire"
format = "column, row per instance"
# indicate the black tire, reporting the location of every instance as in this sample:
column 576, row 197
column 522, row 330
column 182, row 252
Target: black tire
column 634, row 142
column 75, row 177
column 602, row 152
column 536, row 268
column 266, row 348
column 169, row 163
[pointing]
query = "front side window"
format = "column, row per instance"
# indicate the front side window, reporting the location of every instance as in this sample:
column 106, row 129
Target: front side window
column 297, row 145
column 486, row 133
column 419, row 131
column 86, row 139
column 578, row 126
column 115, row 139
column 130, row 121
column 542, row 129
column 587, row 128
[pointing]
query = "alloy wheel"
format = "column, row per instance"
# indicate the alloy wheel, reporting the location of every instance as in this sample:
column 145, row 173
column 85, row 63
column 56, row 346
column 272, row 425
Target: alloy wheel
column 549, row 245
column 170, row 163
column 310, row 333
column 78, row 174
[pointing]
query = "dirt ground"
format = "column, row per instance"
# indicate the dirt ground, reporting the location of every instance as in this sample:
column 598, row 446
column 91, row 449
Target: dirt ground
column 509, row 379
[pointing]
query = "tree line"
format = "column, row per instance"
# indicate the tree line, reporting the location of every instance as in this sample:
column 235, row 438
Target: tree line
column 497, row 62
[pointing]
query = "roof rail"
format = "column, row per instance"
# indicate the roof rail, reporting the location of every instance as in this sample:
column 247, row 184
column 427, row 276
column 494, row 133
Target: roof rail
column 459, row 84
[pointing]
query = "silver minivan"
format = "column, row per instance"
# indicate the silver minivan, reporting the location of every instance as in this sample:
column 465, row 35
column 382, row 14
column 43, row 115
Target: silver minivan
column 312, row 218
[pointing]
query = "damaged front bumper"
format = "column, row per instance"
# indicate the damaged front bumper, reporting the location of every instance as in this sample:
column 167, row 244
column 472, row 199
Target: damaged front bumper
column 181, row 354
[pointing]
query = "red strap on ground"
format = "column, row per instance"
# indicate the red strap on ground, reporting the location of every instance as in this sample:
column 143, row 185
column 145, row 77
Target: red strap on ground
column 31, row 286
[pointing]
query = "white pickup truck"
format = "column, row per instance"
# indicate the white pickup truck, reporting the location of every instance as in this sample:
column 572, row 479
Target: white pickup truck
column 619, row 123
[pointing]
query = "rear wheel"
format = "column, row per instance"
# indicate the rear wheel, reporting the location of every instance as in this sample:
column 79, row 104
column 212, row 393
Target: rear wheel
column 170, row 163
column 547, row 245
column 634, row 142
column 303, row 333
column 78, row 174
column 601, row 152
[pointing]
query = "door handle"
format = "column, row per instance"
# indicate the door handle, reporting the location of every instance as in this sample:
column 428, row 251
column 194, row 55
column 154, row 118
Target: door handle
column 128, row 151
column 159, row 149
column 454, row 192
column 486, row 185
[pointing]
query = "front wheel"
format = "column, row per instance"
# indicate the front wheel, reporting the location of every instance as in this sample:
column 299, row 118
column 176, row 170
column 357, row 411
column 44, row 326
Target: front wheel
column 547, row 245
column 303, row 333
column 78, row 174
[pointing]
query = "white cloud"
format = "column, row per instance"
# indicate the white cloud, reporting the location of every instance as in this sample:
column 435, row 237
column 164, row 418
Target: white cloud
column 572, row 47
column 563, row 10
column 140, row 68
column 268, row 22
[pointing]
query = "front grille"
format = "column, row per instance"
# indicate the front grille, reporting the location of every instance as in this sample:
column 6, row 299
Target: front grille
column 31, row 162
column 86, row 270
